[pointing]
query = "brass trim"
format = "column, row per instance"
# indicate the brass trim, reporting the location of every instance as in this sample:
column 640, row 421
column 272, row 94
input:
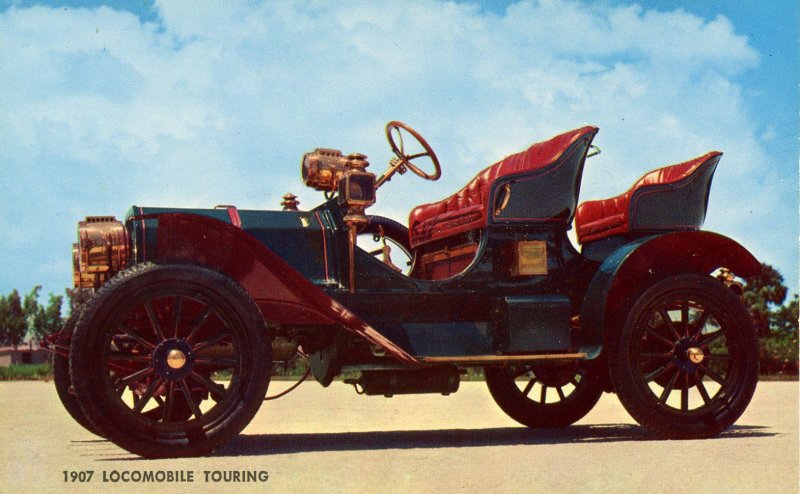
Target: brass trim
column 494, row 359
column 530, row 258
column 695, row 354
column 102, row 251
column 176, row 358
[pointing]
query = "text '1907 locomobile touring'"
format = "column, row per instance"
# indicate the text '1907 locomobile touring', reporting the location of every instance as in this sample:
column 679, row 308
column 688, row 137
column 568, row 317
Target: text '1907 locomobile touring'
column 187, row 311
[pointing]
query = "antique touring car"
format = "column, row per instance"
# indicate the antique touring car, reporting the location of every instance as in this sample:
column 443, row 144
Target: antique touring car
column 187, row 311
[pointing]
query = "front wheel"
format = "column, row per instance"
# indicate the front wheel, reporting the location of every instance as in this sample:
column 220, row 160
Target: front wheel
column 170, row 360
column 546, row 395
column 685, row 364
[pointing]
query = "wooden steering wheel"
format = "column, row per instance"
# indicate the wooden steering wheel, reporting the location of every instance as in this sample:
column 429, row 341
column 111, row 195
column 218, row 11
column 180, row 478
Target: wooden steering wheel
column 404, row 160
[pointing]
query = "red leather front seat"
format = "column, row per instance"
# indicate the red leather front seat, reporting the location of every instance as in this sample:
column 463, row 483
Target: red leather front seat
column 670, row 198
column 468, row 209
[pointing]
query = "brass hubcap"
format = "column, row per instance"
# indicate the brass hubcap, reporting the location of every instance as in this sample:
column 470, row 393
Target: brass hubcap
column 176, row 358
column 695, row 354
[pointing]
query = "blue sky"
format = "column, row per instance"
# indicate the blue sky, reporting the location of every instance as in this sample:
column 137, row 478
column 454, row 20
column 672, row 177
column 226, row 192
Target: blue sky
column 195, row 104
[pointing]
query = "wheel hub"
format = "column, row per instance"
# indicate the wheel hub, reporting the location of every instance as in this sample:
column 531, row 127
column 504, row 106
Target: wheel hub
column 687, row 355
column 555, row 374
column 176, row 359
column 173, row 359
column 695, row 354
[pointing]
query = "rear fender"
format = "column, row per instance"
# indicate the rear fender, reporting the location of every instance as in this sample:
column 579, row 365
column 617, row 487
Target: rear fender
column 639, row 264
column 284, row 295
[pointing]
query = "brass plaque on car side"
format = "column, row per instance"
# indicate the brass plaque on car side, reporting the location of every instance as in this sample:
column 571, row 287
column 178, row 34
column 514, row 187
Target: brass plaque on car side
column 530, row 258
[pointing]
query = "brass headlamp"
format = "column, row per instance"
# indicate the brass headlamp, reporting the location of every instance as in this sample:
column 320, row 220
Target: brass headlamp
column 101, row 251
column 328, row 170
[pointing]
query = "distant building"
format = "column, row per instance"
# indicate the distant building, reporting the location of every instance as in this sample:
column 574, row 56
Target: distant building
column 25, row 354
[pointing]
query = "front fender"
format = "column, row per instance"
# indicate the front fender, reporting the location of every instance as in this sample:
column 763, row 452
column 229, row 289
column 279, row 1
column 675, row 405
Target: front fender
column 284, row 295
column 642, row 262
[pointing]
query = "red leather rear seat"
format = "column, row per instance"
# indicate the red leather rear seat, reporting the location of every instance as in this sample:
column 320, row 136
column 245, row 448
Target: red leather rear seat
column 606, row 217
column 467, row 209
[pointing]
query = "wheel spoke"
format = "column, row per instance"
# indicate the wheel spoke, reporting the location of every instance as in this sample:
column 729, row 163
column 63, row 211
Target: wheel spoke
column 168, row 401
column 701, row 388
column 219, row 361
column 211, row 341
column 415, row 156
column 121, row 357
column 701, row 324
column 198, row 323
column 151, row 313
column 713, row 336
column 658, row 337
column 712, row 374
column 543, row 396
column 719, row 356
column 524, row 370
column 685, row 317
column 529, row 387
column 665, row 317
column 216, row 390
column 560, row 393
column 668, row 388
column 176, row 316
column 136, row 336
column 685, row 393
column 188, row 395
column 148, row 393
column 656, row 355
column 658, row 372
column 121, row 383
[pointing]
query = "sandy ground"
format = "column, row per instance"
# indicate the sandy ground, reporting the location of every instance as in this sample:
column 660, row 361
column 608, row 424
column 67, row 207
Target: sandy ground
column 332, row 440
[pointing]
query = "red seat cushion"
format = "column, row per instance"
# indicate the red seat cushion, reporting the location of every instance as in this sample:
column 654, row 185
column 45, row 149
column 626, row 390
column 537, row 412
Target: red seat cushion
column 467, row 209
column 606, row 217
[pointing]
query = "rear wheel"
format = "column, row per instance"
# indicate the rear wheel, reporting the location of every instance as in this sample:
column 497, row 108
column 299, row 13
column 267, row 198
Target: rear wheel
column 686, row 362
column 62, row 381
column 546, row 395
column 170, row 360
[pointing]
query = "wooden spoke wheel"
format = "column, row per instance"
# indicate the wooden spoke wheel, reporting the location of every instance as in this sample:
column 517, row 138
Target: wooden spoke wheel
column 546, row 395
column 686, row 362
column 170, row 360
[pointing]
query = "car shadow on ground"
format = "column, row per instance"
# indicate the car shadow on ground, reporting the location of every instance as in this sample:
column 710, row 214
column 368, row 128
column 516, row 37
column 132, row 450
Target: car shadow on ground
column 272, row 444
column 276, row 444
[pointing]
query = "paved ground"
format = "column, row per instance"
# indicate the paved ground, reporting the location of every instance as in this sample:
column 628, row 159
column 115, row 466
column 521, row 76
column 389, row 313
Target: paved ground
column 332, row 440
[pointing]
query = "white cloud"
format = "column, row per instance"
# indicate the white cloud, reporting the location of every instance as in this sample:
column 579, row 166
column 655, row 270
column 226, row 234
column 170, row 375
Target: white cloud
column 217, row 104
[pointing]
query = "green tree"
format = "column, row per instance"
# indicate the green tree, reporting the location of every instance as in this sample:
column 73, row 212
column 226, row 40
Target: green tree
column 777, row 323
column 4, row 318
column 763, row 293
column 785, row 318
column 15, row 323
column 47, row 320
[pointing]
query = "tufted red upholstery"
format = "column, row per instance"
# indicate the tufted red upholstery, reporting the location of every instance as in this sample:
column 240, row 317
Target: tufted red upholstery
column 467, row 209
column 606, row 217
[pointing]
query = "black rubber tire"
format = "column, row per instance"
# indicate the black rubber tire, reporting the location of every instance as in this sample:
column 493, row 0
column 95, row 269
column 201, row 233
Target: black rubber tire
column 391, row 228
column 111, row 312
column 636, row 368
column 582, row 395
column 63, row 382
column 393, row 231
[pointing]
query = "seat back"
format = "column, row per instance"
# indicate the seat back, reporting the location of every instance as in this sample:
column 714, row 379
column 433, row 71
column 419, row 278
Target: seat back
column 538, row 184
column 673, row 197
column 670, row 198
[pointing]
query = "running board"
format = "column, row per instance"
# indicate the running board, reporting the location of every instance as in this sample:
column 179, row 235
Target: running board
column 499, row 359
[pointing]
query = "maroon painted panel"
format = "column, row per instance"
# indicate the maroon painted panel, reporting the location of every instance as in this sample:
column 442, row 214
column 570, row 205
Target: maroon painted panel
column 283, row 294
